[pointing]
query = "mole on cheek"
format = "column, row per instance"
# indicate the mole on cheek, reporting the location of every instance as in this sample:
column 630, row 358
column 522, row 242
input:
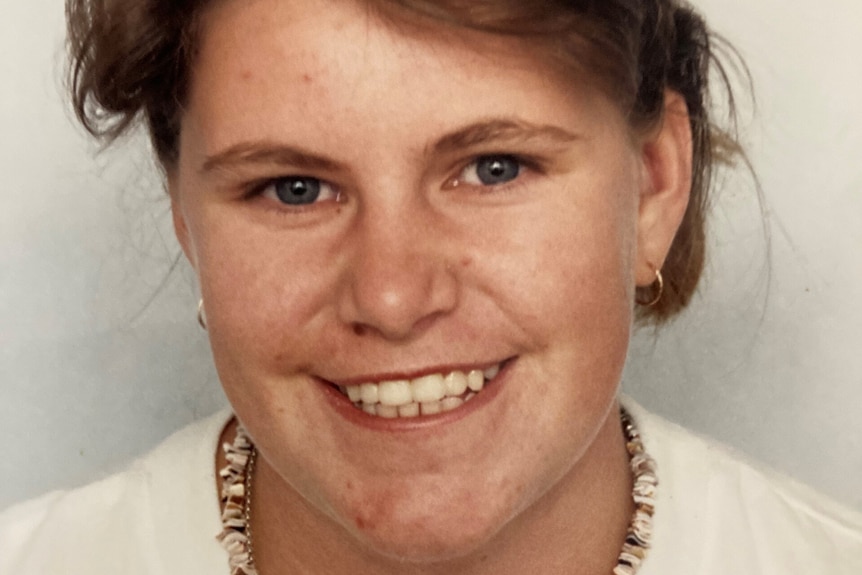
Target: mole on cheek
column 466, row 261
column 306, row 78
column 246, row 75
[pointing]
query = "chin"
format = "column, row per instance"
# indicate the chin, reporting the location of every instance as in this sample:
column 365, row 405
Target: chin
column 429, row 529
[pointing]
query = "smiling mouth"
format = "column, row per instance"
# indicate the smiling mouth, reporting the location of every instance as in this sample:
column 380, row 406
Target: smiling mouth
column 427, row 395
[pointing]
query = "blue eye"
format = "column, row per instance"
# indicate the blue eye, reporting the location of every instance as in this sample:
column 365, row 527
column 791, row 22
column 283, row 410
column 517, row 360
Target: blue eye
column 492, row 170
column 297, row 191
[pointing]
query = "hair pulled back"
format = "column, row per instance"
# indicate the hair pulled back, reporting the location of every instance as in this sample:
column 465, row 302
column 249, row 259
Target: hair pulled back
column 131, row 60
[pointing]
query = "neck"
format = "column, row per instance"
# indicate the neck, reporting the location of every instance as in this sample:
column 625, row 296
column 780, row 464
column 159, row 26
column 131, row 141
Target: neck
column 576, row 528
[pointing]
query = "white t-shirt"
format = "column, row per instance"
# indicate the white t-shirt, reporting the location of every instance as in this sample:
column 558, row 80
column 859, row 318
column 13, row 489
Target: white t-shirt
column 715, row 515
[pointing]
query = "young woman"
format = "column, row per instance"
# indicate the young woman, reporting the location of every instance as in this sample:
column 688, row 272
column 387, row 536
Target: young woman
column 422, row 232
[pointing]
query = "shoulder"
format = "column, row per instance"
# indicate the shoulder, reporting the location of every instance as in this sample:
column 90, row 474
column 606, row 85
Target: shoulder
column 141, row 520
column 717, row 512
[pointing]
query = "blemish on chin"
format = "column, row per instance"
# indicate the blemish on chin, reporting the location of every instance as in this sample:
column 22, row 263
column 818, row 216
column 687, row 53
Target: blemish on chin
column 466, row 262
column 246, row 75
column 307, row 78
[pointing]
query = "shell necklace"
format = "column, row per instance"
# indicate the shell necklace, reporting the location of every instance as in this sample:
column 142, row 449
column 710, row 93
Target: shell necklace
column 236, row 494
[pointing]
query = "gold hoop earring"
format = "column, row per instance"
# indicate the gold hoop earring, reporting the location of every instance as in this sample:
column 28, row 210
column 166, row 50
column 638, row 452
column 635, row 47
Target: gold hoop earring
column 656, row 286
column 202, row 318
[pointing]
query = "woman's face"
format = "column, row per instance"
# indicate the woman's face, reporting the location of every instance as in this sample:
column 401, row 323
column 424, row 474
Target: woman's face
column 365, row 203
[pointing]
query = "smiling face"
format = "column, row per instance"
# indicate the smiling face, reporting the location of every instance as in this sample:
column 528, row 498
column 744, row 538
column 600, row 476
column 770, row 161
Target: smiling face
column 367, row 205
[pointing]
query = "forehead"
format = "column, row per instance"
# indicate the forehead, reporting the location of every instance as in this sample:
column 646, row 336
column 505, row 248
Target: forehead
column 348, row 36
column 318, row 66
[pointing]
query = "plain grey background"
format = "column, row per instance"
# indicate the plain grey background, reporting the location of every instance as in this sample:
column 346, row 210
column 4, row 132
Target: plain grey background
column 101, row 356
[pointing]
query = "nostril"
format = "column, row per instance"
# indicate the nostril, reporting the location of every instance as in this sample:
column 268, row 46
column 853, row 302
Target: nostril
column 359, row 330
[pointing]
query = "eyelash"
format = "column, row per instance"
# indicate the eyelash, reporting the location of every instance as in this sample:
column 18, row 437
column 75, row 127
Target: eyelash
column 267, row 188
column 522, row 164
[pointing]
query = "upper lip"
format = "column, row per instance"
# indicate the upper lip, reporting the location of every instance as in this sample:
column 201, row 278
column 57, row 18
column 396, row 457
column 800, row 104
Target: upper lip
column 414, row 373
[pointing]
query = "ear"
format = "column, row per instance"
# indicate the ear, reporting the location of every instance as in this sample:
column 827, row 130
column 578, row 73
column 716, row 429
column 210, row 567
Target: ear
column 667, row 163
column 181, row 229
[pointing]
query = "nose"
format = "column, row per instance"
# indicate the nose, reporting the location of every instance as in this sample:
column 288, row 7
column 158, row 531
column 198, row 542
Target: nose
column 398, row 280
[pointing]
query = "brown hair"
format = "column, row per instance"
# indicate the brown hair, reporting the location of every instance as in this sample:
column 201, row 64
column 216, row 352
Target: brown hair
column 130, row 60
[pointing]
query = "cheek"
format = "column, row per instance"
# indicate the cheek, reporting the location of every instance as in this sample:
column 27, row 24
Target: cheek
column 566, row 265
column 568, row 284
column 261, row 289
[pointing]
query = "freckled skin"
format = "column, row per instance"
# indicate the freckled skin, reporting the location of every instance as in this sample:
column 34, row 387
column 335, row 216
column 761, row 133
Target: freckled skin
column 405, row 274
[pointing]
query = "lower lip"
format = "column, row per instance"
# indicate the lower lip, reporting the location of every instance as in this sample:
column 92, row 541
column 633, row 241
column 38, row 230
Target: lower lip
column 342, row 404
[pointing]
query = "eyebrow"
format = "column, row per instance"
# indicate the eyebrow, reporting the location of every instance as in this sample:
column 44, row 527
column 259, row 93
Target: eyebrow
column 266, row 152
column 502, row 130
column 483, row 132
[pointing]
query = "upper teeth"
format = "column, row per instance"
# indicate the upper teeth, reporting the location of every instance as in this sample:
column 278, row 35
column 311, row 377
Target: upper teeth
column 427, row 394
